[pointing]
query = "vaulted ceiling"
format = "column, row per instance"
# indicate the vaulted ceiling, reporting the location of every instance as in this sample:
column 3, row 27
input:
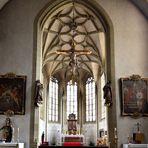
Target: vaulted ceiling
column 73, row 41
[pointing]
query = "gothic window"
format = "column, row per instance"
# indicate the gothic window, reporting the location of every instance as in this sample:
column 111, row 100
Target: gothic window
column 90, row 100
column 72, row 103
column 103, row 109
column 53, row 100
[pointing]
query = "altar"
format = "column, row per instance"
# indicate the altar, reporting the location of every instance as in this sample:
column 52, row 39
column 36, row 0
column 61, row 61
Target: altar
column 72, row 140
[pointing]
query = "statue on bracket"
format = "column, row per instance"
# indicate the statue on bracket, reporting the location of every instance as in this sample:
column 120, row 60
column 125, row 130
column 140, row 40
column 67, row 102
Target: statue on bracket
column 107, row 94
column 38, row 93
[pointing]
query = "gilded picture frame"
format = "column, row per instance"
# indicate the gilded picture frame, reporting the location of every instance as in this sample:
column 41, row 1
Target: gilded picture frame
column 12, row 94
column 134, row 96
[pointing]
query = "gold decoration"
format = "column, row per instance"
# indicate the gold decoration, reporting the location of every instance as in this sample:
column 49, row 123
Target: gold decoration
column 9, row 113
column 136, row 115
column 10, row 75
column 135, row 77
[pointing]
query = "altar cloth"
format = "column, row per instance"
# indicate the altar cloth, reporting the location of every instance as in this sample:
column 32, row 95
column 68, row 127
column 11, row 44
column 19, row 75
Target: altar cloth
column 72, row 144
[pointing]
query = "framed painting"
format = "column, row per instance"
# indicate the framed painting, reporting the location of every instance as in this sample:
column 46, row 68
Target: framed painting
column 12, row 94
column 134, row 94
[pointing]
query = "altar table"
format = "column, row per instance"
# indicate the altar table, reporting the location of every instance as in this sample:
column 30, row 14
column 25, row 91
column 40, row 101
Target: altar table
column 72, row 140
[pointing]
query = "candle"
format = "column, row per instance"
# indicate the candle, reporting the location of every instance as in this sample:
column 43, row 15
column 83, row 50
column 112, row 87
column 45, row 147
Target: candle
column 115, row 129
column 115, row 132
column 18, row 130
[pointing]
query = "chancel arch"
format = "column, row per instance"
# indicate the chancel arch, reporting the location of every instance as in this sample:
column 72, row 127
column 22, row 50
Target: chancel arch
column 74, row 60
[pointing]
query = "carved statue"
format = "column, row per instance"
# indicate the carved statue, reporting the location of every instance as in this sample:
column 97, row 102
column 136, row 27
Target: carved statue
column 107, row 94
column 7, row 130
column 38, row 93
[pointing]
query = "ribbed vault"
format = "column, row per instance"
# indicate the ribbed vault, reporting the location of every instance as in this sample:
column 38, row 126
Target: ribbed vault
column 73, row 42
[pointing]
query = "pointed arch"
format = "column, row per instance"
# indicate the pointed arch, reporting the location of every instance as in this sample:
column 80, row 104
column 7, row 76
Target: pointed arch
column 108, row 65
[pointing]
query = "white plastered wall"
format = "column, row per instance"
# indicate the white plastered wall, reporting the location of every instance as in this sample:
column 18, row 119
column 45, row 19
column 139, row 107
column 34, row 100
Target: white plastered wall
column 130, row 51
column 17, row 49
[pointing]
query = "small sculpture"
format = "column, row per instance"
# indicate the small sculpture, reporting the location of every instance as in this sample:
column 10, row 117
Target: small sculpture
column 7, row 130
column 138, row 136
column 107, row 94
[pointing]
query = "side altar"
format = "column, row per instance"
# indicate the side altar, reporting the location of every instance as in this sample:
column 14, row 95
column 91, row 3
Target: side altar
column 11, row 145
column 135, row 146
